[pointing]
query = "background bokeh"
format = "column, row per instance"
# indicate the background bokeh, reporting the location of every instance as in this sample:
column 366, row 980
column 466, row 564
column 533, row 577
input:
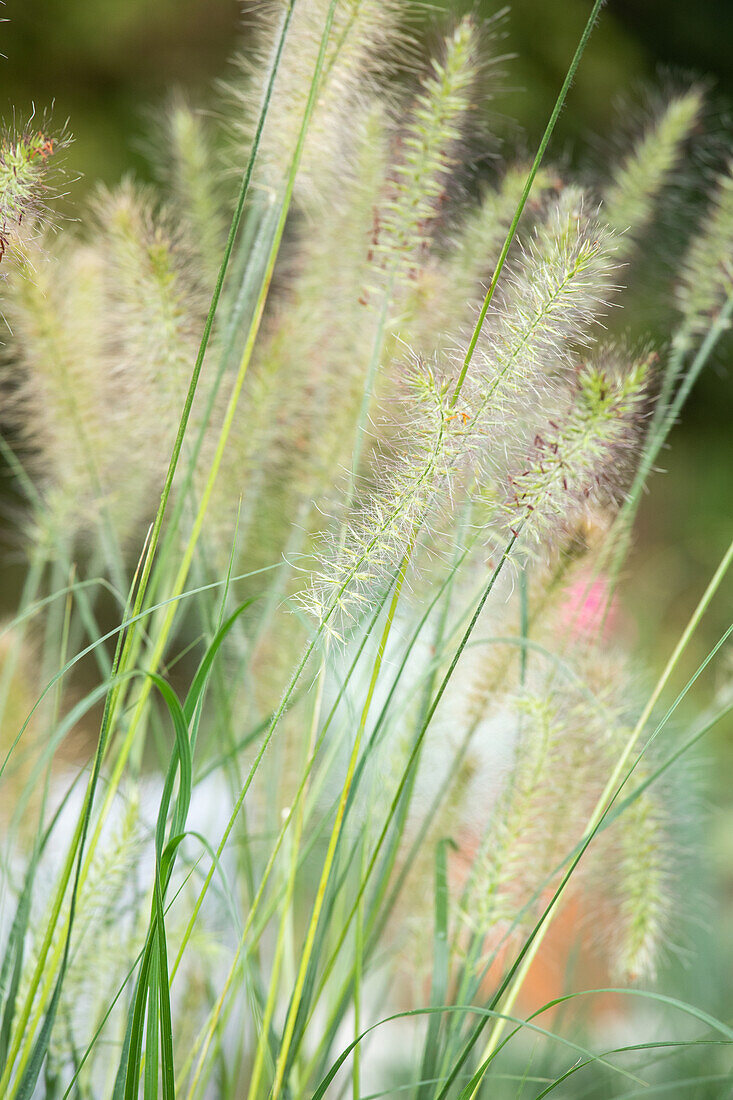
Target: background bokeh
column 106, row 65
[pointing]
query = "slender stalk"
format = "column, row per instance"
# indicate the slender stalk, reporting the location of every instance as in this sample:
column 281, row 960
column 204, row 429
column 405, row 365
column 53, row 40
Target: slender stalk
column 666, row 414
column 359, row 968
column 569, row 77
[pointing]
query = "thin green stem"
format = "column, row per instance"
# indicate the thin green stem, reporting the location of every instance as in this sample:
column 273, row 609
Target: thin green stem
column 666, row 414
column 569, row 77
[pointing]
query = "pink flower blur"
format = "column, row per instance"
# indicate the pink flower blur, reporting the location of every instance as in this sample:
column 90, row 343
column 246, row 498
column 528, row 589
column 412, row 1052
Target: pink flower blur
column 589, row 609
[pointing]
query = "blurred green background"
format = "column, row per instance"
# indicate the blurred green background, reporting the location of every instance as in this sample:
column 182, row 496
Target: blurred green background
column 106, row 65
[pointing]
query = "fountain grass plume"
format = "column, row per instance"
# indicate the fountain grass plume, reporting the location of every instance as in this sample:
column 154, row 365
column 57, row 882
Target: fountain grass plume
column 426, row 151
column 381, row 532
column 187, row 162
column 588, row 455
column 368, row 39
column 528, row 829
column 644, row 877
column 155, row 307
column 630, row 199
column 550, row 302
column 58, row 395
column 552, row 299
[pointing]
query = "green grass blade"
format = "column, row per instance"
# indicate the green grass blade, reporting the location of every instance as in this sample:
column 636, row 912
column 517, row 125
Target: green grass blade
column 14, row 948
column 132, row 1065
column 13, row 956
column 163, row 988
column 181, row 757
column 152, row 1055
column 441, row 960
column 199, row 681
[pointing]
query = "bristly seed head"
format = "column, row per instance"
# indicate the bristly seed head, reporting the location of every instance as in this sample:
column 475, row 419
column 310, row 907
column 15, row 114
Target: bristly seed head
column 586, row 456
column 28, row 165
column 426, row 148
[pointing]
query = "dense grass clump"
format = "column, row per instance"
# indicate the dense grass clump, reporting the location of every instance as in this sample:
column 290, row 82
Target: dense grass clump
column 327, row 764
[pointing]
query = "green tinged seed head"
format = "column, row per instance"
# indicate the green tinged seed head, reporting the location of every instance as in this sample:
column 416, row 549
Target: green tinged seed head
column 707, row 272
column 28, row 166
column 587, row 455
column 629, row 199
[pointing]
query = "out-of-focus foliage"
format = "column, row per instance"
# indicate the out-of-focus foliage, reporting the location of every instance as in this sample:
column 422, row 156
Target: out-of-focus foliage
column 103, row 62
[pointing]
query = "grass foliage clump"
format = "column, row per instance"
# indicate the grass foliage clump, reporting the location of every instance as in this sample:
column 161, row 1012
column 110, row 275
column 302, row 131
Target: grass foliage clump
column 326, row 767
